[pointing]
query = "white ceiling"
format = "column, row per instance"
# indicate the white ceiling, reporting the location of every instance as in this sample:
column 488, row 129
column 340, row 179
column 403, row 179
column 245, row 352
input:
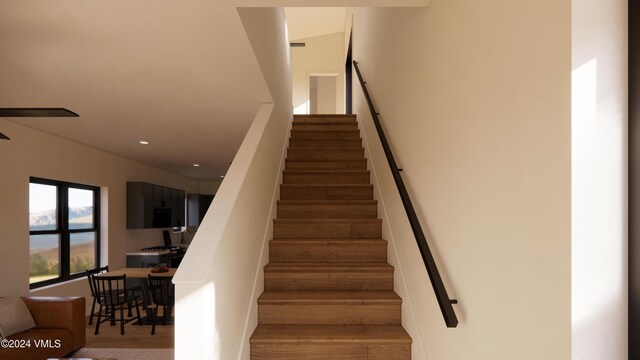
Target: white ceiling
column 181, row 75
column 307, row 22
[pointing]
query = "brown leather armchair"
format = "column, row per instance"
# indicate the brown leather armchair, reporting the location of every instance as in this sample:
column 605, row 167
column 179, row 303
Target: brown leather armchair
column 60, row 329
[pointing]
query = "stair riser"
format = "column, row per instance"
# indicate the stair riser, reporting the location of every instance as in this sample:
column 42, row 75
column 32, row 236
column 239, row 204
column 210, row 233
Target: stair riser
column 326, row 135
column 300, row 211
column 326, row 165
column 328, row 281
column 297, row 119
column 328, row 178
column 349, row 143
column 324, row 127
column 328, row 230
column 326, row 252
column 326, row 193
column 329, row 314
column 309, row 351
column 302, row 154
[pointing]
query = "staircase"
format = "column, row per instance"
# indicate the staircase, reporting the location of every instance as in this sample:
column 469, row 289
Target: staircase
column 328, row 286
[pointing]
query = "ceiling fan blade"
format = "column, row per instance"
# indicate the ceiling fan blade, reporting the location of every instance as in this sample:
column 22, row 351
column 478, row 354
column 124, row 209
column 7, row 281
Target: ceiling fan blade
column 36, row 112
column 4, row 137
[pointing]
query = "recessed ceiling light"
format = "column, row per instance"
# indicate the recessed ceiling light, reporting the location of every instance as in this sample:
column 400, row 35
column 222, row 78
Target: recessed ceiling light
column 143, row 142
column 222, row 176
column 196, row 165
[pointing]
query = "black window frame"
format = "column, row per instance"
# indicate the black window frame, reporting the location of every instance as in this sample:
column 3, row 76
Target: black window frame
column 63, row 231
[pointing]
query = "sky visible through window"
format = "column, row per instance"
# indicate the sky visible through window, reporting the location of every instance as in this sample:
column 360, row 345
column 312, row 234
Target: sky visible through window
column 43, row 198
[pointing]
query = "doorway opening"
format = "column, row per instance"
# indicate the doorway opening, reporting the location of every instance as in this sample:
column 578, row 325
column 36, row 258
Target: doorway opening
column 323, row 94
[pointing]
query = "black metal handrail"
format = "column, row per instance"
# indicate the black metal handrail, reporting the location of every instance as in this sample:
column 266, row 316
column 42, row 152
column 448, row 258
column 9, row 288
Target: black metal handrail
column 444, row 301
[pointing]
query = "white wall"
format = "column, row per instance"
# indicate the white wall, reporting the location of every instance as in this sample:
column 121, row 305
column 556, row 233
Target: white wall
column 475, row 98
column 35, row 153
column 599, row 180
column 328, row 95
column 321, row 55
column 221, row 277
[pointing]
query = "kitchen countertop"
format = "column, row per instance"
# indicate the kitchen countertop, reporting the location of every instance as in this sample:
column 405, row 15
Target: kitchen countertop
column 149, row 253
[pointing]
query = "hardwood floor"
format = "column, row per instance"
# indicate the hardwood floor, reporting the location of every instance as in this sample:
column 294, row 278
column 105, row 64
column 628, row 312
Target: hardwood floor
column 135, row 337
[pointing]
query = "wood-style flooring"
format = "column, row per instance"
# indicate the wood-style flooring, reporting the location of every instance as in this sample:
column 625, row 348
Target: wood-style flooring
column 135, row 336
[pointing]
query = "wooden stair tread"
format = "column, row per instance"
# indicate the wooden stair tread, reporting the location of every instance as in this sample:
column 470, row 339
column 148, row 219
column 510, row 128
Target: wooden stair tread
column 328, row 267
column 325, row 148
column 329, row 172
column 326, row 143
column 327, row 202
column 303, row 116
column 315, row 120
column 331, row 334
column 320, row 221
column 296, row 164
column 323, row 131
column 325, row 120
column 328, row 185
column 330, row 241
column 323, row 160
column 328, row 297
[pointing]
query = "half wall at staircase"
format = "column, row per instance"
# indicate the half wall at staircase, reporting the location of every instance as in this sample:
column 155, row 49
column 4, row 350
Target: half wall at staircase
column 215, row 284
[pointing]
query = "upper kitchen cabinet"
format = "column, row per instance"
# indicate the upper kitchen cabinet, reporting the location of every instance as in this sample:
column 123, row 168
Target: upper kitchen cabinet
column 178, row 203
column 153, row 206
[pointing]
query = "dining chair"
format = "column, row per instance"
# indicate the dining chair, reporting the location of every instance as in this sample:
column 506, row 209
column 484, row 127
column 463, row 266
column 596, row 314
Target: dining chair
column 112, row 294
column 90, row 274
column 162, row 294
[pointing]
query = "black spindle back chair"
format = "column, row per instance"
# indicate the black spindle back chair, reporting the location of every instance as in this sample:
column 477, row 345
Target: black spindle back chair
column 111, row 292
column 90, row 274
column 163, row 294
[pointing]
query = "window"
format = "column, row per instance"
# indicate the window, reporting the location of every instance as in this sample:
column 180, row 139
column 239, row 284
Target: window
column 64, row 231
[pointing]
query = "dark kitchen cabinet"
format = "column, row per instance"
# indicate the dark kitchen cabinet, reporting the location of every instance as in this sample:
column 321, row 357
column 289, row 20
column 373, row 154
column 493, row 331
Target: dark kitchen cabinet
column 197, row 206
column 147, row 205
column 154, row 206
column 174, row 205
column 178, row 200
column 182, row 203
column 157, row 196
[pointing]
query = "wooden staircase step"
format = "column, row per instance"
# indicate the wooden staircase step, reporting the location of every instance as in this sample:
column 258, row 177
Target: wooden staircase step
column 326, row 192
column 327, row 228
column 327, row 209
column 326, row 177
column 324, row 118
column 329, row 308
column 325, row 153
column 328, row 143
column 330, row 334
column 330, row 342
column 324, row 134
column 326, row 165
column 328, row 286
column 328, row 276
column 325, row 125
column 327, row 250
